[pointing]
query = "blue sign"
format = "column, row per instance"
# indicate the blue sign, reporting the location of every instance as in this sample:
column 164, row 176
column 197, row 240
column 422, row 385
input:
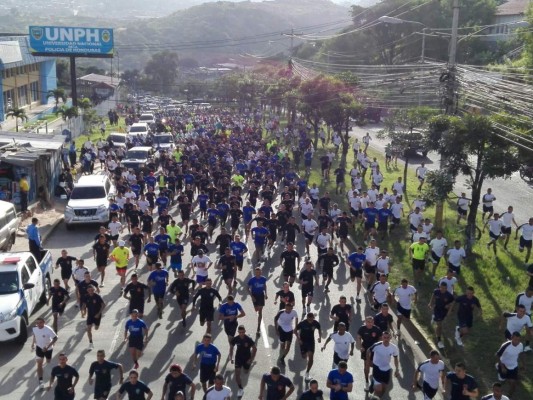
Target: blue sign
column 61, row 41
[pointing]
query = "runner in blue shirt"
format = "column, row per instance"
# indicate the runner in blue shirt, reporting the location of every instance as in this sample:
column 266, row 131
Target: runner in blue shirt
column 239, row 249
column 150, row 180
column 162, row 203
column 176, row 252
column 370, row 214
column 209, row 357
column 202, row 199
column 229, row 312
column 151, row 250
column 247, row 215
column 356, row 261
column 258, row 290
column 259, row 235
column 158, row 280
column 340, row 381
column 266, row 209
column 212, row 216
column 384, row 214
column 134, row 332
column 163, row 240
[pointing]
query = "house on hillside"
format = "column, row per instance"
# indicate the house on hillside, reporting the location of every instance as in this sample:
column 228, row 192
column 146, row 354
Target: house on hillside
column 507, row 19
column 97, row 87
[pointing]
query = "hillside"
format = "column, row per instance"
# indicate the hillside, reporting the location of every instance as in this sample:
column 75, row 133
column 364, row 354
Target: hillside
column 225, row 29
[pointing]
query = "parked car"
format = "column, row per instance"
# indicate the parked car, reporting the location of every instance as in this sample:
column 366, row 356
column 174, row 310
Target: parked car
column 9, row 224
column 137, row 158
column 118, row 139
column 24, row 283
column 89, row 201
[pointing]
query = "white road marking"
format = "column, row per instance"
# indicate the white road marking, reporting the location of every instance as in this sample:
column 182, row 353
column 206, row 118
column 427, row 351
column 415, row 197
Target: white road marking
column 119, row 329
column 264, row 334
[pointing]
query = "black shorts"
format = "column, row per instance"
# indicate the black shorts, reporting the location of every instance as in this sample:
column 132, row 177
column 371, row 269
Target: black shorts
column 39, row 353
column 136, row 342
column 289, row 273
column 337, row 359
column 152, row 259
column 136, row 251
column 239, row 263
column 396, row 221
column 524, row 243
column 230, row 328
column 487, row 208
column 285, row 336
column 460, row 211
column 113, row 237
column 183, row 301
column 428, row 390
column 370, row 269
column 509, row 373
column 101, row 262
column 207, row 373
column 242, row 363
column 66, row 273
column 307, row 347
column 136, row 305
column 380, row 376
column 383, row 226
column 456, row 269
column 309, row 237
column 507, row 230
column 403, row 311
column 158, row 295
column 92, row 320
column 259, row 300
column 62, row 395
column 369, row 225
column 102, row 392
column 307, row 292
column 228, row 275
column 435, row 259
column 342, row 234
column 206, row 315
column 466, row 322
column 328, row 272
column 438, row 315
column 418, row 264
column 354, row 212
column 58, row 309
column 356, row 273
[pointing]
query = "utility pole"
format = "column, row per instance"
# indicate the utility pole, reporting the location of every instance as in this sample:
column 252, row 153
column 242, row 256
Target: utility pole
column 451, row 87
column 422, row 60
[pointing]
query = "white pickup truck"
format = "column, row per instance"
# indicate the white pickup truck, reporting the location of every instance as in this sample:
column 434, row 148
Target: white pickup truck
column 23, row 284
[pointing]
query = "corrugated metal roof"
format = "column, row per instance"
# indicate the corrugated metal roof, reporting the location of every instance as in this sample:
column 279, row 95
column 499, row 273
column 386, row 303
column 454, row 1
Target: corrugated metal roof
column 109, row 80
column 27, row 58
column 42, row 142
column 513, row 7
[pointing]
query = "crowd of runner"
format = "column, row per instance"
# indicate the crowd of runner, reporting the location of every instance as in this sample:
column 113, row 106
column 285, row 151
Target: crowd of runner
column 230, row 196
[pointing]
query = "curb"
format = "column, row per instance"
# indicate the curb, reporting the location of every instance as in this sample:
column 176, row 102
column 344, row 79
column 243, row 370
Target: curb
column 51, row 229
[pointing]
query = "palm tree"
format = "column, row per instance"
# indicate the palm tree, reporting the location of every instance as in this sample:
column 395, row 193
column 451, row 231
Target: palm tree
column 17, row 113
column 57, row 94
column 68, row 112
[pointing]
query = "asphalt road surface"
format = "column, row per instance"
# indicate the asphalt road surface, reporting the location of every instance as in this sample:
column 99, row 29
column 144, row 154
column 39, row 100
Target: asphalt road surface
column 170, row 343
column 509, row 192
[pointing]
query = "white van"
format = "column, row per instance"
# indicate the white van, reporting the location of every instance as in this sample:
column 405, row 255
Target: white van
column 89, row 201
column 140, row 129
column 9, row 224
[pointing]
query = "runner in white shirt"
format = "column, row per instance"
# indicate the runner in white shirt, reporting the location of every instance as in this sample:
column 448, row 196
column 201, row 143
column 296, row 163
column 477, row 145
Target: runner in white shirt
column 526, row 238
column 44, row 338
column 372, row 194
column 115, row 228
column 487, row 200
column 455, row 257
column 309, row 228
column 314, row 193
column 285, row 322
column 432, row 371
column 383, row 264
column 397, row 212
column 366, row 140
column 403, row 296
column 497, row 393
column 143, row 204
column 355, row 208
column 380, row 355
column 427, row 227
column 420, row 173
column 344, row 344
column 306, row 208
column 507, row 222
column 418, row 234
column 509, row 360
column 323, row 241
column 415, row 218
column 372, row 253
column 380, row 292
column 450, row 280
column 495, row 230
column 201, row 264
column 358, row 182
column 218, row 391
column 438, row 246
column 462, row 207
column 398, row 186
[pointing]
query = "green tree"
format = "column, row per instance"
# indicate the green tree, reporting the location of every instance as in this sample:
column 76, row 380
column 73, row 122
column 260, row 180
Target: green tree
column 472, row 146
column 68, row 113
column 17, row 113
column 439, row 184
column 57, row 94
column 162, row 71
column 131, row 78
column 404, row 128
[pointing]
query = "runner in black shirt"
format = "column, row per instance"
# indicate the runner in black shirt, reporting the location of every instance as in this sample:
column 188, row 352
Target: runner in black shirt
column 290, row 260
column 135, row 388
column 235, row 218
column 228, row 265
column 305, row 331
column 290, row 230
column 176, row 381
column 207, row 296
column 82, row 289
column 383, row 320
column 244, row 355
column 65, row 263
column 147, row 224
column 94, row 305
column 222, row 241
column 181, row 288
column 314, row 393
column 101, row 255
column 136, row 245
column 101, row 369
column 67, row 378
column 307, row 278
column 135, row 292
column 285, row 296
column 367, row 335
column 328, row 261
column 272, row 225
column 59, row 297
column 276, row 385
column 341, row 312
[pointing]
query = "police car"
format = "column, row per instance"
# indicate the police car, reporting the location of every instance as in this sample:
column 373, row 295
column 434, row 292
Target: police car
column 24, row 283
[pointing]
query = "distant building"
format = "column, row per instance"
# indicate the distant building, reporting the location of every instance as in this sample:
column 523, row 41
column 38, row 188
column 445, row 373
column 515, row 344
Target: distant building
column 507, row 17
column 97, row 87
column 25, row 79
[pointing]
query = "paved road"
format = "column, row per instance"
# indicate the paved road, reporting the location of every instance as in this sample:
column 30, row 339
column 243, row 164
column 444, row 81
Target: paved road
column 514, row 191
column 170, row 343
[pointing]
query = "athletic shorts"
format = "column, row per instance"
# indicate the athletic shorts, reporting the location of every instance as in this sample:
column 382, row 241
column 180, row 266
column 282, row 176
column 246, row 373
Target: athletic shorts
column 456, row 269
column 206, row 315
column 354, row 212
column 114, row 237
column 328, row 272
column 509, row 373
column 242, row 363
column 403, row 311
column 466, row 322
column 435, row 259
column 429, row 391
column 136, row 342
column 337, row 359
column 418, row 264
column 121, row 271
column 102, row 392
column 201, row 278
column 284, row 336
column 66, row 273
column 307, row 292
column 438, row 316
column 461, row 212
column 493, row 235
column 62, row 395
column 356, row 273
column 487, row 209
column 259, row 300
column 136, row 251
column 207, row 373
column 307, row 347
column 92, row 320
column 309, row 237
column 101, row 262
column 240, row 263
column 230, row 328
column 380, row 376
column 158, row 295
column 183, row 301
column 136, row 305
column 396, row 221
column 39, row 353
column 369, row 225
column 370, row 269
column 382, row 226
column 524, row 243
column 176, row 266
